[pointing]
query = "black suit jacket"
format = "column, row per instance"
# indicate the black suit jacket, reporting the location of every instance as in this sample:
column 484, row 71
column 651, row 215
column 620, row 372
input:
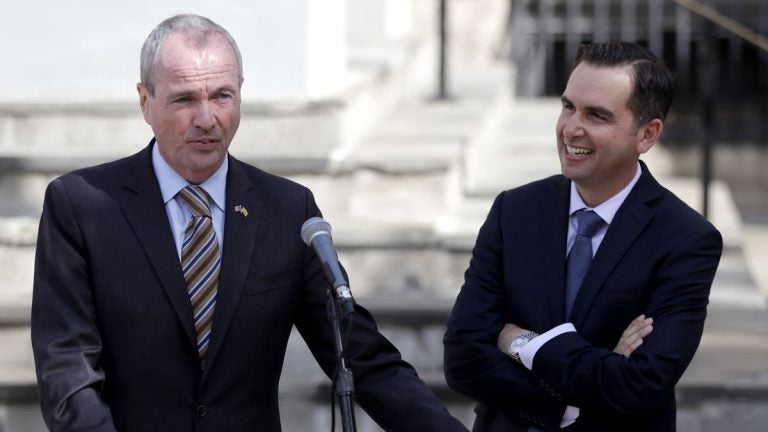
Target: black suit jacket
column 658, row 257
column 112, row 326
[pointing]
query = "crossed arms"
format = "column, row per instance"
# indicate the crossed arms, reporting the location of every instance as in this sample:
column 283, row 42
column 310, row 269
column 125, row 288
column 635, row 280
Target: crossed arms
column 665, row 275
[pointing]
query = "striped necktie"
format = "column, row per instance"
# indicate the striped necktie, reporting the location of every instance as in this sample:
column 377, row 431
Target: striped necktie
column 200, row 262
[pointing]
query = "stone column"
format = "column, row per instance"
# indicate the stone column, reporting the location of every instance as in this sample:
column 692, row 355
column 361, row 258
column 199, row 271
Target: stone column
column 294, row 49
column 378, row 20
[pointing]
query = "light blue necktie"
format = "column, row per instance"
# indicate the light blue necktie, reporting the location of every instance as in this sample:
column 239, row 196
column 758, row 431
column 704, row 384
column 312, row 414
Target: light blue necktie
column 579, row 259
column 580, row 256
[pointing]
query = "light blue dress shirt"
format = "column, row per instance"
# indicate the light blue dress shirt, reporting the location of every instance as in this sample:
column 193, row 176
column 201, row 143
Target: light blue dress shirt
column 178, row 214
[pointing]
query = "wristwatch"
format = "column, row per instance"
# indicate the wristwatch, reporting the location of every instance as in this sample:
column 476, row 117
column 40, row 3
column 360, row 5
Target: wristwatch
column 518, row 343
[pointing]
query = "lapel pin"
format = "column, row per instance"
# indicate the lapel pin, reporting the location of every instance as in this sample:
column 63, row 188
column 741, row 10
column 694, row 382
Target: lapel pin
column 242, row 210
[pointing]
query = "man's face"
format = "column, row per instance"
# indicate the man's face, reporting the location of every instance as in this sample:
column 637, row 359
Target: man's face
column 598, row 141
column 195, row 111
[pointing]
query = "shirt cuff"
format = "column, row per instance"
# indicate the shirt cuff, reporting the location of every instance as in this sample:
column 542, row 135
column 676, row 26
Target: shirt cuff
column 532, row 347
column 569, row 416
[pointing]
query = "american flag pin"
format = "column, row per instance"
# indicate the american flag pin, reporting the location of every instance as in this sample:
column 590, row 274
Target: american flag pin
column 242, row 210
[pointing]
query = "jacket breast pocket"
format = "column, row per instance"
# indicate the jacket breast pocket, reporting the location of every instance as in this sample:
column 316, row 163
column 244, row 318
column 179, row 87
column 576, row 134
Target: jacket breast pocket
column 285, row 278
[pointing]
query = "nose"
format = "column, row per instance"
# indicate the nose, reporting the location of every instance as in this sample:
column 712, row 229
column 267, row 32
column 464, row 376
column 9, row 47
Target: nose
column 571, row 127
column 205, row 117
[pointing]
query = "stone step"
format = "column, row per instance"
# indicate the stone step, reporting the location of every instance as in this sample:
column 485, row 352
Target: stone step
column 736, row 329
column 17, row 268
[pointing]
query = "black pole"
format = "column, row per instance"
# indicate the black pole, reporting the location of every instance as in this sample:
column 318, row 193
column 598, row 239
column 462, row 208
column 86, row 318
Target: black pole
column 442, row 79
column 344, row 385
column 708, row 74
column 706, row 163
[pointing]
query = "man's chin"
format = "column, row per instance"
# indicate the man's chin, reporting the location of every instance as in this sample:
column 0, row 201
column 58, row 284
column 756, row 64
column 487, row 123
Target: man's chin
column 200, row 169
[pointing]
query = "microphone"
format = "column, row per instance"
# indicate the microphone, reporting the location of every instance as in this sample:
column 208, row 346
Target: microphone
column 316, row 232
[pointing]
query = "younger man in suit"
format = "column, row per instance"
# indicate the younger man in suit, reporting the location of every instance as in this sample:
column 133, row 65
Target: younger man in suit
column 563, row 265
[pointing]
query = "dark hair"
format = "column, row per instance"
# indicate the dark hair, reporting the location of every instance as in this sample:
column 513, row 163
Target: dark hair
column 654, row 82
column 197, row 28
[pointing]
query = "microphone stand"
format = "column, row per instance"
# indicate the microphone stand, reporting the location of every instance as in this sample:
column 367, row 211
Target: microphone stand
column 345, row 386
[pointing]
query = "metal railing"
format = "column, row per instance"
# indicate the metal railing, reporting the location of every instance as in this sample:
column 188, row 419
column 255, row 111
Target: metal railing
column 713, row 17
column 721, row 61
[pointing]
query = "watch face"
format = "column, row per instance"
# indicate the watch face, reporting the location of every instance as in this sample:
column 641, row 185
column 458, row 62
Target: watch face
column 517, row 344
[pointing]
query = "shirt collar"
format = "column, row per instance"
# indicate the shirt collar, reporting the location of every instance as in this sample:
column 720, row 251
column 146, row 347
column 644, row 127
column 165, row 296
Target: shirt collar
column 171, row 182
column 606, row 210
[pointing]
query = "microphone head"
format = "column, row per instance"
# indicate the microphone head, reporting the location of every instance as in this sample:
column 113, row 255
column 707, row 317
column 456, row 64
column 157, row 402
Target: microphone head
column 312, row 227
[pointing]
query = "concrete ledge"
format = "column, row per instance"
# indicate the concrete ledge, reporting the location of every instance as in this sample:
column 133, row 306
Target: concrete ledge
column 15, row 310
column 18, row 231
column 17, row 386
column 405, row 155
column 18, row 383
column 409, row 310
column 694, row 395
column 318, row 389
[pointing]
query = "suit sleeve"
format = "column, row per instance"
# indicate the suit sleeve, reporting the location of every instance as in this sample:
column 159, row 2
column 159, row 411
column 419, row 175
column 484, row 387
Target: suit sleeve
column 65, row 339
column 596, row 378
column 386, row 386
column 474, row 365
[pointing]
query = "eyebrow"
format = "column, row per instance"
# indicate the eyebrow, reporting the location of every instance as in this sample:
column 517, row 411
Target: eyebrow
column 193, row 92
column 602, row 111
column 224, row 88
column 181, row 93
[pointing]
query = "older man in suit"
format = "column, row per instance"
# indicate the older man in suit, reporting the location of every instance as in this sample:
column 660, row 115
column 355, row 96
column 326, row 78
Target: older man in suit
column 167, row 283
column 563, row 265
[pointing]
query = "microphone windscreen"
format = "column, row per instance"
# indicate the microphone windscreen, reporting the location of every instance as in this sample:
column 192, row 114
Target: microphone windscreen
column 312, row 227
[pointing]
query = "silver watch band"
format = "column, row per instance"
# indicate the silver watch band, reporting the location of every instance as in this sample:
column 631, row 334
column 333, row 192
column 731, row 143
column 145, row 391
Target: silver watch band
column 527, row 336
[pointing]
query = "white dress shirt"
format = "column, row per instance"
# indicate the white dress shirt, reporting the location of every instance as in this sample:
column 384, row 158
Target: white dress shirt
column 606, row 210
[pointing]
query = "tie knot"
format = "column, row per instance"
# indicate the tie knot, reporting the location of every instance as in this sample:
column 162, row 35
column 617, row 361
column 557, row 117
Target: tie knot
column 197, row 200
column 589, row 222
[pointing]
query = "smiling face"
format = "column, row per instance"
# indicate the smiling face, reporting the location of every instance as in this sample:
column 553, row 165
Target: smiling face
column 598, row 140
column 195, row 110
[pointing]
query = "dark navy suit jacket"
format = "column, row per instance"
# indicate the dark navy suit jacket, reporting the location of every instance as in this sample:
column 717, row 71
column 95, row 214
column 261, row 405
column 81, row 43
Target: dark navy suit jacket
column 112, row 326
column 658, row 257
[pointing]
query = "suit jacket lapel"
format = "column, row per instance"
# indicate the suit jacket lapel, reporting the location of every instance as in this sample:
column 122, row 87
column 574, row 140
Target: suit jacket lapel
column 146, row 214
column 631, row 219
column 239, row 242
column 554, row 217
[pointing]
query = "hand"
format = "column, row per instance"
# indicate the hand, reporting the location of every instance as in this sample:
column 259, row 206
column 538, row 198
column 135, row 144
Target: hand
column 633, row 336
column 509, row 332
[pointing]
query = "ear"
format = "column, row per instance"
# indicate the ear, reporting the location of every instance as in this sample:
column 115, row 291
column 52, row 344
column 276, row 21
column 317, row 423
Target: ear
column 648, row 134
column 144, row 102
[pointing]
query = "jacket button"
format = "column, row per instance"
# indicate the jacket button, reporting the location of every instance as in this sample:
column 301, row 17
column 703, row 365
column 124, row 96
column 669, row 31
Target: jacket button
column 201, row 412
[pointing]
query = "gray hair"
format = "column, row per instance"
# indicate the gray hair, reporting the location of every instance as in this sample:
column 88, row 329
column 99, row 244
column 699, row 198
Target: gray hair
column 198, row 30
